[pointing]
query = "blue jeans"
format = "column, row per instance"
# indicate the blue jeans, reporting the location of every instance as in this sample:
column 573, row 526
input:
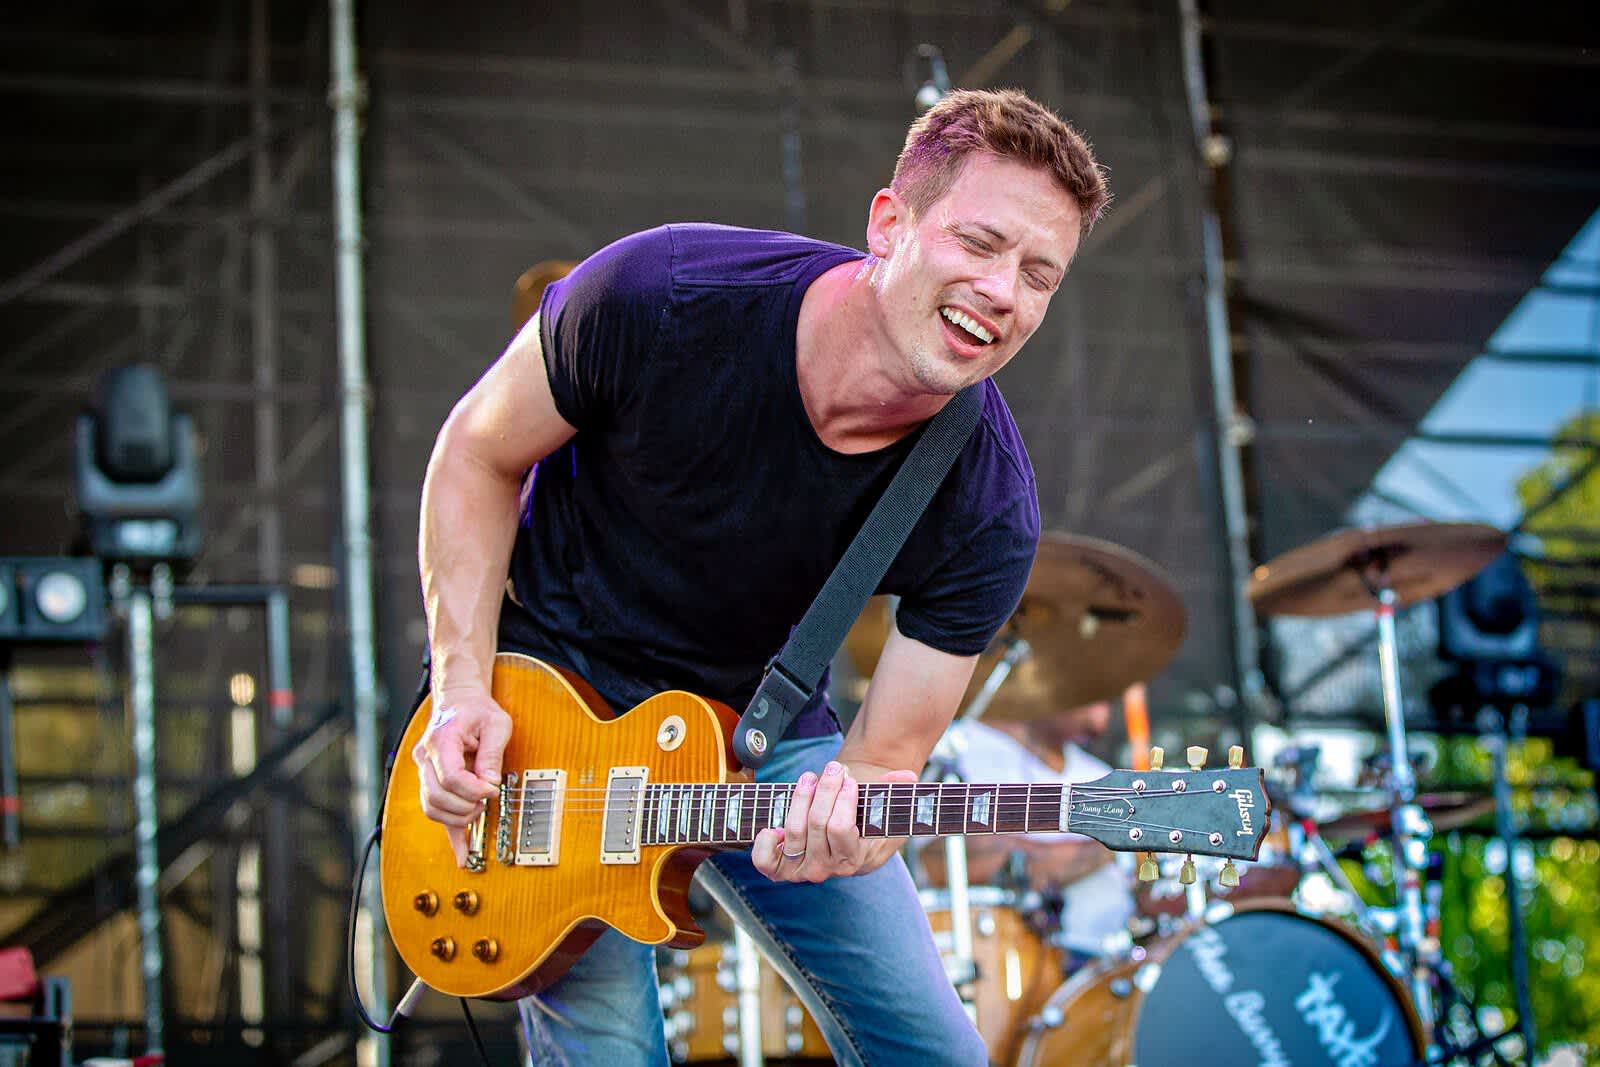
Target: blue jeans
column 857, row 951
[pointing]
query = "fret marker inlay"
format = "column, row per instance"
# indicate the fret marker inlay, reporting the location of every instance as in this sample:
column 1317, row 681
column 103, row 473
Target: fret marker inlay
column 925, row 809
column 980, row 808
column 875, row 811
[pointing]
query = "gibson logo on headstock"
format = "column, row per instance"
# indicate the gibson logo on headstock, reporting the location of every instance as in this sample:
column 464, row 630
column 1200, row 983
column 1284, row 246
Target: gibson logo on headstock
column 1246, row 801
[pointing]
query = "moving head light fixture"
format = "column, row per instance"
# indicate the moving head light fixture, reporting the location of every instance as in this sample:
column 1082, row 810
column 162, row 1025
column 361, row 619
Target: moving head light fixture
column 137, row 472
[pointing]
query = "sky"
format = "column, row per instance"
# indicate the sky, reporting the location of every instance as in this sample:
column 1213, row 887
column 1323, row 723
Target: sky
column 1452, row 482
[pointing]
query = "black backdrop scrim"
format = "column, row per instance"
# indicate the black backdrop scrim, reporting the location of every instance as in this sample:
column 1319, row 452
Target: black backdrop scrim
column 1400, row 177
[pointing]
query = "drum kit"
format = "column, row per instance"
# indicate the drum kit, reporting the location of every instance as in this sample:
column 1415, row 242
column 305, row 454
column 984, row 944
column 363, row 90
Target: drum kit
column 1251, row 973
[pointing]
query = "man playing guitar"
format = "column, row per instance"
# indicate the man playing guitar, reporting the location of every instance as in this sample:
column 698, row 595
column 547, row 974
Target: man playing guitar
column 701, row 417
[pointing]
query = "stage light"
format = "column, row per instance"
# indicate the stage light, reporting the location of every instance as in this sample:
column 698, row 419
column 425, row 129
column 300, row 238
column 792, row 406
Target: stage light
column 137, row 472
column 8, row 601
column 1493, row 616
column 61, row 597
column 51, row 598
column 242, row 688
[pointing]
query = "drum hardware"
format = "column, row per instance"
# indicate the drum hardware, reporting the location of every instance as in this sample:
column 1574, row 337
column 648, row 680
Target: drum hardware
column 748, row 982
column 1380, row 570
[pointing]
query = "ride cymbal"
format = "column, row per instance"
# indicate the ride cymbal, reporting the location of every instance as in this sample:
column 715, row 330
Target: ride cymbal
column 1097, row 617
column 1336, row 574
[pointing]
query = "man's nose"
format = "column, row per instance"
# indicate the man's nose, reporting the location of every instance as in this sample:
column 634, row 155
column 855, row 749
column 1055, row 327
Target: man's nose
column 999, row 287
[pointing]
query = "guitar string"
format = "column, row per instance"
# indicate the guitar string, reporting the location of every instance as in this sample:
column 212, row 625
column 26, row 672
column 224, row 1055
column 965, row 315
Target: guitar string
column 524, row 797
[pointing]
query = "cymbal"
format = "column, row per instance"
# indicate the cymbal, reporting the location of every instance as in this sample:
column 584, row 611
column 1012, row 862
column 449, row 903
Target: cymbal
column 529, row 290
column 1098, row 618
column 1446, row 811
column 1418, row 560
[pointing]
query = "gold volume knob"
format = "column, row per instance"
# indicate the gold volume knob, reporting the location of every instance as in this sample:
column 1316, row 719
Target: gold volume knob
column 486, row 949
column 426, row 902
column 444, row 948
column 466, row 902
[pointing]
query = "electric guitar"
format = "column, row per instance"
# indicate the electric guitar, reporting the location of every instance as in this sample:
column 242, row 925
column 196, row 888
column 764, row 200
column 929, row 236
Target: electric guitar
column 601, row 821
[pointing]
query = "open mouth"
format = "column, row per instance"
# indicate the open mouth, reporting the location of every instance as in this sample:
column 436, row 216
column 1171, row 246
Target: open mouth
column 966, row 328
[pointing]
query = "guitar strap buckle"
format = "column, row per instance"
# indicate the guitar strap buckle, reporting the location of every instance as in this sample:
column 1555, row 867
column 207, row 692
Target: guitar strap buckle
column 778, row 699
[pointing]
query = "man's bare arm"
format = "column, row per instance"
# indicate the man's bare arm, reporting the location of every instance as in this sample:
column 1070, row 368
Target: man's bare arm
column 912, row 698
column 501, row 427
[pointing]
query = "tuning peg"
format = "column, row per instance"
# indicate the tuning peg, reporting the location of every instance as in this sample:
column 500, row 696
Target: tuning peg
column 1158, row 756
column 1148, row 872
column 1197, row 757
column 1186, row 872
column 1229, row 878
column 1235, row 757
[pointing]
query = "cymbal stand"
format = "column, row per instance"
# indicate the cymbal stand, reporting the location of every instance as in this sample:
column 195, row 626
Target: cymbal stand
column 963, row 964
column 1410, row 827
column 1497, row 734
column 1017, row 650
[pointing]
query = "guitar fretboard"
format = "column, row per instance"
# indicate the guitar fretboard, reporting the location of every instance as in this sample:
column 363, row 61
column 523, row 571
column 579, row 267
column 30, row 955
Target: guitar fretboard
column 733, row 814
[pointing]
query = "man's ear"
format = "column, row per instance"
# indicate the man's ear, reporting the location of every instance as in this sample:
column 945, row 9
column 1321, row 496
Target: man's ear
column 886, row 219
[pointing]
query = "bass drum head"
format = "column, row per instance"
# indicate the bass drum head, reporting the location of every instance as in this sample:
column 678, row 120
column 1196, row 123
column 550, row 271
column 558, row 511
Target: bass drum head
column 1264, row 986
column 1268, row 986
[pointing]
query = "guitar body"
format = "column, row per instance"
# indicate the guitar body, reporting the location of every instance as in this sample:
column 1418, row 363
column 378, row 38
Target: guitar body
column 520, row 927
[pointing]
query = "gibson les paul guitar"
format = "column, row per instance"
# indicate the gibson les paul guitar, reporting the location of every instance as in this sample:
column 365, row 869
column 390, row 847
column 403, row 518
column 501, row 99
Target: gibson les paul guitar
column 600, row 823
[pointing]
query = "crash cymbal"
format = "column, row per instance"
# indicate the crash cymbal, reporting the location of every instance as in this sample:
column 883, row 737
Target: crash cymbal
column 1097, row 617
column 1446, row 811
column 1330, row 576
column 529, row 290
column 864, row 643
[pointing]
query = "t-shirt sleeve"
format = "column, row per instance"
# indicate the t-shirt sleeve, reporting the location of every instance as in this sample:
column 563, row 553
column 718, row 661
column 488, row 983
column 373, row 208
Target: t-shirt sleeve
column 600, row 323
column 969, row 597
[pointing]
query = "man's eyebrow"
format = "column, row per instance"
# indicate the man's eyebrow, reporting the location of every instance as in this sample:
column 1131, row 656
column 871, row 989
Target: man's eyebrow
column 1000, row 236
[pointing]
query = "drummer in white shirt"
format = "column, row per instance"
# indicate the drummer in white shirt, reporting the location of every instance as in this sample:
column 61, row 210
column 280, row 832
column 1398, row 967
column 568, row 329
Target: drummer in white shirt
column 1096, row 901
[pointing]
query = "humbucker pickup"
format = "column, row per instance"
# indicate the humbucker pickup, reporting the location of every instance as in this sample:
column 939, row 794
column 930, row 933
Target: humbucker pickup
column 619, row 838
column 536, row 839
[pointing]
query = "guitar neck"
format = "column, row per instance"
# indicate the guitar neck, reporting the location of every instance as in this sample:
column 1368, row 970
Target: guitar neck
column 732, row 814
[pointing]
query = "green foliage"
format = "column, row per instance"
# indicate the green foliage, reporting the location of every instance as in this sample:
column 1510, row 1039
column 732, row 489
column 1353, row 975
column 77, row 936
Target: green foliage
column 1565, row 490
column 1558, row 877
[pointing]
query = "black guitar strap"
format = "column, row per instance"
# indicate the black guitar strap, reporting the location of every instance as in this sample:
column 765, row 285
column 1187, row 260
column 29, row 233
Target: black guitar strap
column 793, row 675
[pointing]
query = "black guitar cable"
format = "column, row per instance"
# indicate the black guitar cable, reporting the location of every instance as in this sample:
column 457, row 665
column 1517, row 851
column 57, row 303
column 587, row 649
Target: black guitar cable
column 402, row 1010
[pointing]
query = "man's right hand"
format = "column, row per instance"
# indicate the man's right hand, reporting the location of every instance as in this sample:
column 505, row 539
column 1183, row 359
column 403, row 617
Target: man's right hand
column 458, row 760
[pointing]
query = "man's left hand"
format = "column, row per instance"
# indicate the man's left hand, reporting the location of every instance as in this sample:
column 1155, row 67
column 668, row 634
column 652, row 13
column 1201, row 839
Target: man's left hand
column 819, row 838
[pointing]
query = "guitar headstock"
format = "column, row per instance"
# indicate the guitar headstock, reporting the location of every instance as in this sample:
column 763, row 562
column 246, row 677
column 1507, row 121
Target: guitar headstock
column 1200, row 812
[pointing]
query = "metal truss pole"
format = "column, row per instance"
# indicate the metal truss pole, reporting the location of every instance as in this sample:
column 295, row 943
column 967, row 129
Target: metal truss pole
column 282, row 951
column 1229, row 426
column 347, row 97
column 138, row 604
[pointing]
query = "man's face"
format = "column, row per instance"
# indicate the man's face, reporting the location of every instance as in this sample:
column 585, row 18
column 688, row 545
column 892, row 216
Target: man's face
column 1081, row 726
column 964, row 285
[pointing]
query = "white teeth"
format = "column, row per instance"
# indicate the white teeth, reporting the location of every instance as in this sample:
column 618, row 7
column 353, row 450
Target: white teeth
column 966, row 322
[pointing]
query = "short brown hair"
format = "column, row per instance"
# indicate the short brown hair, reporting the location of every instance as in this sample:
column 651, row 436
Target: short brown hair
column 1003, row 122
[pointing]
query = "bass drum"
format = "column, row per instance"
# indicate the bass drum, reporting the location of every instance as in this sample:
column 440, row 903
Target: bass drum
column 1265, row 985
column 1016, row 967
column 700, row 998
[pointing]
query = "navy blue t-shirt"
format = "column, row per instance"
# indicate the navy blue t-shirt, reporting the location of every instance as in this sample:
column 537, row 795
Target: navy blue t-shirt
column 674, row 542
